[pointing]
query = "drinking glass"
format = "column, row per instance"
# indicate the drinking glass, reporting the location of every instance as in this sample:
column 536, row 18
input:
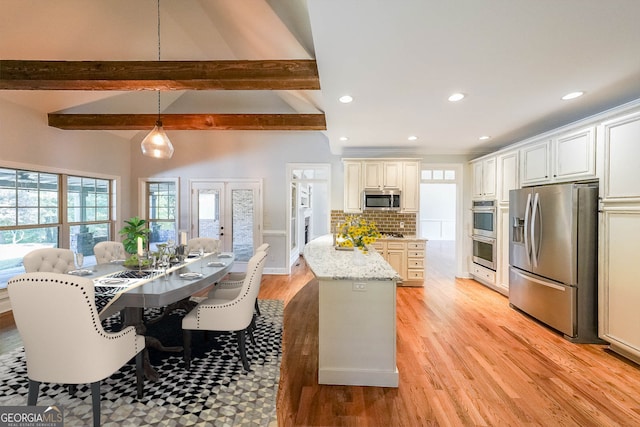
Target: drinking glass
column 79, row 260
column 201, row 253
column 165, row 265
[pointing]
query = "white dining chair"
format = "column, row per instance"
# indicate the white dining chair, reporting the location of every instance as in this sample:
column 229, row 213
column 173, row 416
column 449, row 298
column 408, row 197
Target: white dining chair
column 208, row 244
column 52, row 260
column 227, row 315
column 64, row 341
column 108, row 251
column 232, row 283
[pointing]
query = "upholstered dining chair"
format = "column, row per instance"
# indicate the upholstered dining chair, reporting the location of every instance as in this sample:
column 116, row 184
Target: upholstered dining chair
column 209, row 244
column 108, row 251
column 230, row 287
column 227, row 315
column 53, row 260
column 64, row 341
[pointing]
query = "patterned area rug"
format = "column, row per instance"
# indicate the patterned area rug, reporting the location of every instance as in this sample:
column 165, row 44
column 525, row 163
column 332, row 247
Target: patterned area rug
column 215, row 392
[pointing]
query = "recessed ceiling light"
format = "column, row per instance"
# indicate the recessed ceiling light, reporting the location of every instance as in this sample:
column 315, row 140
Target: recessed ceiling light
column 484, row 137
column 412, row 138
column 345, row 99
column 344, row 138
column 456, row 97
column 572, row 95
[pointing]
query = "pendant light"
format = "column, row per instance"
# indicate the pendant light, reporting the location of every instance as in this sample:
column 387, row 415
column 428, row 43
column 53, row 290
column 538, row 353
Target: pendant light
column 157, row 144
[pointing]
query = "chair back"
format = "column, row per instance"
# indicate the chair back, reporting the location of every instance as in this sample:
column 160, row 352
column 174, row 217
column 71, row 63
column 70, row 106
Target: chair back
column 209, row 244
column 263, row 248
column 52, row 260
column 108, row 251
column 243, row 304
column 63, row 338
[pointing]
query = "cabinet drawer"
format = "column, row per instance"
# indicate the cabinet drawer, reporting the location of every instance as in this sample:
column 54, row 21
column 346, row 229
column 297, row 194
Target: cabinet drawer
column 378, row 246
column 415, row 275
column 415, row 246
column 396, row 245
column 415, row 263
column 483, row 273
column 415, row 254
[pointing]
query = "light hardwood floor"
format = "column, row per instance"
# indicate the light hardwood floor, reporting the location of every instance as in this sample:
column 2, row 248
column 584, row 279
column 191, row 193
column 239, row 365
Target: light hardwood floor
column 465, row 358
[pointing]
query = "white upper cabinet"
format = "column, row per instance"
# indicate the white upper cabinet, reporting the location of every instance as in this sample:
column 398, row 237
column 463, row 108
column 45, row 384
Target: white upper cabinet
column 410, row 186
column 569, row 156
column 383, row 174
column 575, row 155
column 352, row 187
column 508, row 178
column 622, row 151
column 535, row 161
column 484, row 178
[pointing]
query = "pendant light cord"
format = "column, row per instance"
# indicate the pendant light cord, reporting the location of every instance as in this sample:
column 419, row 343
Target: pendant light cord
column 158, row 2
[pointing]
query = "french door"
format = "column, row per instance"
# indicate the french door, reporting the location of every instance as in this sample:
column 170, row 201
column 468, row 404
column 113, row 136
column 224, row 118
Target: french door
column 230, row 211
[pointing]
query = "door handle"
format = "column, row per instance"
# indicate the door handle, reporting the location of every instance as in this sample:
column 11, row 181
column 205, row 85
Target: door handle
column 534, row 215
column 527, row 220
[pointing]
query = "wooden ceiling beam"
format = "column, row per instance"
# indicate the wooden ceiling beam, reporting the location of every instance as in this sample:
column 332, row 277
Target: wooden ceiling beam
column 298, row 74
column 189, row 121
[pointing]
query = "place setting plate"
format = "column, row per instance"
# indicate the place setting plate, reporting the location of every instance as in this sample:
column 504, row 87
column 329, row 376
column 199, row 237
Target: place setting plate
column 225, row 256
column 216, row 264
column 80, row 272
column 191, row 275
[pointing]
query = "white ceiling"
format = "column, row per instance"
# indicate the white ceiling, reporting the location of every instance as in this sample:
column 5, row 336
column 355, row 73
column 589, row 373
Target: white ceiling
column 399, row 59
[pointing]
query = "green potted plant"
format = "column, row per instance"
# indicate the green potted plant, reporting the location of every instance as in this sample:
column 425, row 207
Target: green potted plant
column 135, row 227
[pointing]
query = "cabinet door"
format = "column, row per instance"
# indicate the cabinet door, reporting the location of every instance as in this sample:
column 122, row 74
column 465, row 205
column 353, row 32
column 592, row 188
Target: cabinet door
column 535, row 163
column 619, row 292
column 396, row 259
column 373, row 175
column 410, row 186
column 574, row 155
column 622, row 151
column 489, row 177
column 392, row 174
column 477, row 179
column 507, row 175
column 352, row 185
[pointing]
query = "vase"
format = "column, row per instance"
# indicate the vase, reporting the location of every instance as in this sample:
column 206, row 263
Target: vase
column 358, row 257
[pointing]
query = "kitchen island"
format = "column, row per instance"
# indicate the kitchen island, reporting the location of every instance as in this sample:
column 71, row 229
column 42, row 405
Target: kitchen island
column 357, row 318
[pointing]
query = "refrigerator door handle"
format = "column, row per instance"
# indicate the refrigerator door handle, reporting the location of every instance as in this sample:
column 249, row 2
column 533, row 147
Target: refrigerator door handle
column 534, row 245
column 527, row 211
column 540, row 282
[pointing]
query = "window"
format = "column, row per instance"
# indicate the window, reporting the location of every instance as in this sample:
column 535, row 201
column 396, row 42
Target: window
column 88, row 213
column 161, row 212
column 47, row 210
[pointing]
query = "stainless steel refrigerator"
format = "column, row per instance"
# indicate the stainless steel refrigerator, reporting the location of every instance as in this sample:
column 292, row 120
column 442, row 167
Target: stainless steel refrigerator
column 553, row 257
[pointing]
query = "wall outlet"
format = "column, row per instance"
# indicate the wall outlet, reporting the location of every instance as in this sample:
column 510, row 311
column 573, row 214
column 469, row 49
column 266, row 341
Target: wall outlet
column 359, row 287
column 401, row 224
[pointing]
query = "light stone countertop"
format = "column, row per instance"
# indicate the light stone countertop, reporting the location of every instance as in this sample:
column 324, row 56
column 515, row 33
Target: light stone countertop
column 328, row 263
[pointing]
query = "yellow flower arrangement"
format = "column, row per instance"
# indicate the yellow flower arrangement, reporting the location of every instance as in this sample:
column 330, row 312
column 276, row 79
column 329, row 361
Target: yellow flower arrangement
column 357, row 232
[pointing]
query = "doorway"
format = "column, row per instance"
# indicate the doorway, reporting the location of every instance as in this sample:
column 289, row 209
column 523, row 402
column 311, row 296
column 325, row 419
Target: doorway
column 230, row 211
column 308, row 210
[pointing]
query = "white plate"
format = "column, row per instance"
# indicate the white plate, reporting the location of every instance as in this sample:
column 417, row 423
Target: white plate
column 191, row 275
column 80, row 272
column 225, row 256
column 113, row 281
column 216, row 264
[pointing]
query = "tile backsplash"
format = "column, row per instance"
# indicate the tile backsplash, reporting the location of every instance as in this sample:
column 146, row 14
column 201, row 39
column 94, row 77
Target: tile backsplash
column 388, row 222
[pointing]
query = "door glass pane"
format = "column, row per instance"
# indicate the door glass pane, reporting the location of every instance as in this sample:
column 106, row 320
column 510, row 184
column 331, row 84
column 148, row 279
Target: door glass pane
column 209, row 213
column 242, row 223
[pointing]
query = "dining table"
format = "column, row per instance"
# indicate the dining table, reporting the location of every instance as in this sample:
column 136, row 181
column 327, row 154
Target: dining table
column 129, row 291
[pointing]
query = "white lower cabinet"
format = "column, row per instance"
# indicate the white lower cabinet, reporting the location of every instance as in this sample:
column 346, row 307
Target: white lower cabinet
column 406, row 256
column 619, row 293
column 483, row 275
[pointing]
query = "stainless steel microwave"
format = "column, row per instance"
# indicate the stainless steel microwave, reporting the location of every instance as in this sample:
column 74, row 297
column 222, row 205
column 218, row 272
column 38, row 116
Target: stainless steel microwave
column 382, row 200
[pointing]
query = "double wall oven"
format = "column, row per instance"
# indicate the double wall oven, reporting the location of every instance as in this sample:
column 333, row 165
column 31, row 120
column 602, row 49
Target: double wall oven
column 484, row 214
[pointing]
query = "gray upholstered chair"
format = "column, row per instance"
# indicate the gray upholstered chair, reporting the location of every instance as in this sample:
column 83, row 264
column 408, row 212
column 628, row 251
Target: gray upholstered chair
column 108, row 251
column 231, row 285
column 207, row 243
column 64, row 341
column 52, row 260
column 227, row 315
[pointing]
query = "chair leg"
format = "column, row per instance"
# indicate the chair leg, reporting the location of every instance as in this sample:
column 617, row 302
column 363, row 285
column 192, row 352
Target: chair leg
column 139, row 374
column 186, row 345
column 73, row 388
column 240, row 335
column 251, row 328
column 257, row 307
column 34, row 387
column 95, row 402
